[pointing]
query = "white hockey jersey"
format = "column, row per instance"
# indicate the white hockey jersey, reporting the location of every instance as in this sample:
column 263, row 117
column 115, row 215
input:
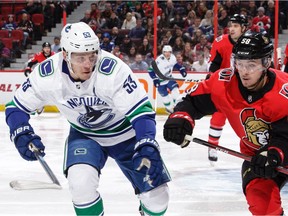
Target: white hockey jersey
column 101, row 107
column 165, row 66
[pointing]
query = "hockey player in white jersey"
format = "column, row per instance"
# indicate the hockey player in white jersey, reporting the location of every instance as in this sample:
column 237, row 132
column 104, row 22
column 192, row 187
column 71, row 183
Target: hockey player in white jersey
column 109, row 114
column 166, row 62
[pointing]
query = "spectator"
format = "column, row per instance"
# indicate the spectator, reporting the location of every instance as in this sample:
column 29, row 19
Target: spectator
column 139, row 64
column 179, row 45
column 149, row 27
column 39, row 57
column 201, row 64
column 5, row 56
column 47, row 9
column 32, row 7
column 163, row 22
column 106, row 44
column 199, row 47
column 223, row 19
column 56, row 46
column 89, row 20
column 169, row 10
column 10, row 24
column 116, row 51
column 132, row 54
column 177, row 21
column 129, row 22
column 106, row 14
column 230, row 7
column 187, row 53
column 145, row 47
column 116, row 38
column 126, row 45
column 190, row 19
column 27, row 27
column 208, row 19
column 262, row 20
column 139, row 10
column 201, row 10
column 87, row 17
column 138, row 31
column 113, row 21
column 252, row 8
column 94, row 10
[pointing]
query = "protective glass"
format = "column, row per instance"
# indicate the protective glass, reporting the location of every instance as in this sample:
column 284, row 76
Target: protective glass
column 250, row 66
column 84, row 58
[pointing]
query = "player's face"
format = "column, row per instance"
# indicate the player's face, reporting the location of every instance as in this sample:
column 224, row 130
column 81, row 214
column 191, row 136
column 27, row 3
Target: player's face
column 82, row 65
column 46, row 51
column 167, row 54
column 235, row 30
column 250, row 72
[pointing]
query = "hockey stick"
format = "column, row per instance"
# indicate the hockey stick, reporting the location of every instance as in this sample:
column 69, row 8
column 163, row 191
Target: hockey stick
column 228, row 151
column 163, row 77
column 29, row 185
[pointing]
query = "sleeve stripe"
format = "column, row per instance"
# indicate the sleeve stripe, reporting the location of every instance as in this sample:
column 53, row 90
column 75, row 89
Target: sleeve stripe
column 136, row 105
column 18, row 104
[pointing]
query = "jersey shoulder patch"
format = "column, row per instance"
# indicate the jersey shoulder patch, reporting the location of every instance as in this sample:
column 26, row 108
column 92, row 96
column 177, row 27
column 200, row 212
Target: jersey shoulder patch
column 226, row 74
column 46, row 68
column 107, row 65
column 219, row 38
column 284, row 90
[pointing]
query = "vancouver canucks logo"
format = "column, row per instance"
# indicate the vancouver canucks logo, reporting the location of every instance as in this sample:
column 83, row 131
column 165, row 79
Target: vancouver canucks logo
column 95, row 118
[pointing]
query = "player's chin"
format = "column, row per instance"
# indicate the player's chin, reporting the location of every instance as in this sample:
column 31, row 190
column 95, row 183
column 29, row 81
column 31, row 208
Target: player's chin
column 86, row 75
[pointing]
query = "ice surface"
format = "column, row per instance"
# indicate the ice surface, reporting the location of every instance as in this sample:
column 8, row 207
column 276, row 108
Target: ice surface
column 197, row 188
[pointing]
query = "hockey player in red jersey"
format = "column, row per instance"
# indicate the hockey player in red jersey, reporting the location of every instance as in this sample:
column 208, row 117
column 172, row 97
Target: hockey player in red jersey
column 220, row 58
column 249, row 94
column 39, row 57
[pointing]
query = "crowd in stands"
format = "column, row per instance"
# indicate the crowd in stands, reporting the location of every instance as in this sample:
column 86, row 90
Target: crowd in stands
column 126, row 28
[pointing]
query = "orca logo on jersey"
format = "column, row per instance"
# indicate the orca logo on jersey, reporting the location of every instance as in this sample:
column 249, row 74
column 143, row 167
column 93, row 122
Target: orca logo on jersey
column 95, row 118
column 226, row 74
column 107, row 66
column 256, row 129
column 46, row 68
column 284, row 90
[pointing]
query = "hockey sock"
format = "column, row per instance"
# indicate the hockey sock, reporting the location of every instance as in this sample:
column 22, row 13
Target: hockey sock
column 94, row 208
column 150, row 213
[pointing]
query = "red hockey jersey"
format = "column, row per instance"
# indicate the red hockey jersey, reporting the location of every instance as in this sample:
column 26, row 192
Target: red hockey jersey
column 38, row 58
column 221, row 52
column 258, row 118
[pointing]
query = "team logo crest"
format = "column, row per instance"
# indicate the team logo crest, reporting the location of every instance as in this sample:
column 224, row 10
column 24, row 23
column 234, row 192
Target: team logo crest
column 95, row 118
column 225, row 74
column 46, row 68
column 256, row 129
column 284, row 90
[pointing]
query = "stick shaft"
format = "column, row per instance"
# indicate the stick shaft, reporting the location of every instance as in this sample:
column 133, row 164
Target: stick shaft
column 44, row 164
column 163, row 77
column 228, row 151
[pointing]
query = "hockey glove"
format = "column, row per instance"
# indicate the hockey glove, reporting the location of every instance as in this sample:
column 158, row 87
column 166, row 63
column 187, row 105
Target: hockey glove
column 264, row 163
column 177, row 126
column 156, row 82
column 27, row 71
column 183, row 72
column 22, row 137
column 146, row 159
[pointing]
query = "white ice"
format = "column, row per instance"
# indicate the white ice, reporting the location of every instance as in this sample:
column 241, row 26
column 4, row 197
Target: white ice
column 197, row 188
